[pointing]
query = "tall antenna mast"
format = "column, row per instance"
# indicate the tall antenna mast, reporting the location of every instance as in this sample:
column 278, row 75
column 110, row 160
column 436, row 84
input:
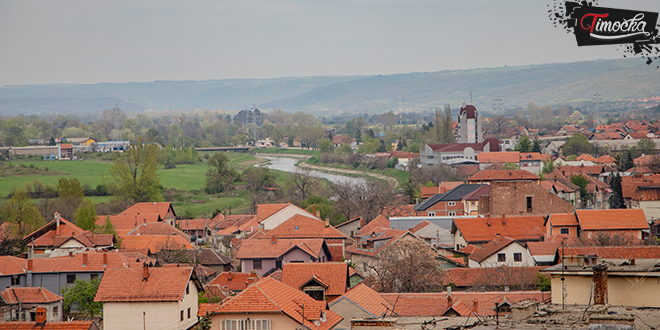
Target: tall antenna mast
column 597, row 100
column 471, row 95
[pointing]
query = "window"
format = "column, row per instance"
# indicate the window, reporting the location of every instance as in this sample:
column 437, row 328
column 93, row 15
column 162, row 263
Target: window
column 181, row 315
column 247, row 324
column 529, row 203
column 256, row 264
column 15, row 280
column 501, row 257
column 517, row 257
column 451, row 214
column 431, row 214
column 564, row 231
column 93, row 276
column 70, row 279
column 55, row 311
column 188, row 288
column 451, row 203
column 188, row 312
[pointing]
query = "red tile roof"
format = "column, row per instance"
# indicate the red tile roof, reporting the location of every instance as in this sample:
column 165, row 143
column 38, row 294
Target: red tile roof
column 612, row 219
column 31, row 295
column 398, row 211
column 497, row 175
column 95, row 263
column 615, row 252
column 543, row 248
column 157, row 228
column 585, row 157
column 300, row 226
column 162, row 284
column 50, row 325
column 499, row 157
column 429, row 192
column 368, row 299
column 265, row 249
column 266, row 210
column 160, row 208
column 470, row 248
column 484, row 229
column 333, row 274
column 235, row 281
column 269, row 295
column 422, row 224
column 198, row 224
column 605, row 159
column 155, row 243
column 49, row 231
column 491, row 247
column 563, row 219
column 374, row 225
column 449, row 185
column 125, row 223
column 646, row 193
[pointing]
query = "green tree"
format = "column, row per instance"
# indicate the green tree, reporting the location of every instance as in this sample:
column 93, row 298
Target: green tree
column 85, row 215
column 577, row 144
column 536, row 146
column 135, row 173
column 204, row 322
column 20, row 212
column 646, row 146
column 355, row 127
column 542, row 282
column 69, row 196
column 220, row 176
column 80, row 296
column 524, row 144
column 510, row 166
column 616, row 198
column 326, row 146
column 52, row 141
column 582, row 182
column 548, row 166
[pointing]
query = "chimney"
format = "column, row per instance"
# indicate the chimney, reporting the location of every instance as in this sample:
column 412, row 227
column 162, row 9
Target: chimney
column 41, row 316
column 448, row 289
column 70, row 254
column 30, row 265
column 449, row 301
column 145, row 271
column 84, row 259
column 475, row 306
column 600, row 284
column 314, row 208
column 273, row 240
column 504, row 219
column 506, row 288
column 28, row 276
column 327, row 222
column 57, row 217
column 105, row 259
column 253, row 276
column 318, row 214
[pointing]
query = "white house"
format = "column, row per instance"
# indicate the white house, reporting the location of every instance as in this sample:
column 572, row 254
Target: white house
column 150, row 298
column 500, row 252
column 270, row 216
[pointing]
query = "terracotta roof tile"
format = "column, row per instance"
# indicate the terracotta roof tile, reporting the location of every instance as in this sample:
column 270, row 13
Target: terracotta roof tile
column 95, row 263
column 51, row 325
column 300, row 226
column 605, row 159
column 445, row 186
column 266, row 210
column 163, row 284
column 485, row 229
column 585, row 157
column 368, row 299
column 615, row 252
column 495, row 175
column 160, row 208
column 612, row 219
column 125, row 223
column 470, row 248
column 491, row 247
column 269, row 295
column 429, row 192
column 265, row 249
column 49, row 230
column 646, row 193
column 543, row 248
column 155, row 243
column 563, row 219
column 461, row 308
column 377, row 222
column 422, row 224
column 398, row 211
column 499, row 157
column 235, row 281
column 29, row 295
column 333, row 274
column 157, row 228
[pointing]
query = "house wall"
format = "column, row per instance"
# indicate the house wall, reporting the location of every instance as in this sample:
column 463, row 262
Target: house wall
column 651, row 209
column 72, row 243
column 556, row 230
column 348, row 310
column 439, row 236
column 350, row 229
column 158, row 315
column 527, row 259
column 297, row 255
column 278, row 321
column 53, row 282
column 639, row 290
column 470, row 207
column 284, row 215
column 266, row 265
column 443, row 208
column 459, row 240
column 510, row 197
column 12, row 312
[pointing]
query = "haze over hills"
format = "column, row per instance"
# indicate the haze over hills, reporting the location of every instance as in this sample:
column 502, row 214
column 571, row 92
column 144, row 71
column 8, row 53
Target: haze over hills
column 553, row 84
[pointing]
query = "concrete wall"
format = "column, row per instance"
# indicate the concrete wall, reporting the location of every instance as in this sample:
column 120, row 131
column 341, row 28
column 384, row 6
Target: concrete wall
column 348, row 310
column 510, row 197
column 266, row 265
column 627, row 291
column 278, row 321
column 11, row 312
column 53, row 282
column 651, row 209
column 39, row 151
column 159, row 315
column 439, row 235
column 350, row 229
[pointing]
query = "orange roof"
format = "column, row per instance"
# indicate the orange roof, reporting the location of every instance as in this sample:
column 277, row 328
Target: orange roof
column 615, row 252
column 157, row 228
column 543, row 248
column 234, row 280
column 266, row 210
column 534, row 156
column 449, row 185
column 266, row 249
column 585, row 157
column 160, row 208
column 429, row 192
column 368, row 299
column 563, row 219
column 95, row 263
column 49, row 230
column 605, row 159
column 155, row 243
column 612, row 219
column 197, row 224
column 333, row 274
column 495, row 175
column 499, row 157
column 125, row 223
column 485, row 229
column 491, row 247
column 398, row 211
column 470, row 248
column 31, row 295
column 382, row 234
column 50, row 325
column 646, row 193
column 422, row 224
column 377, row 222
column 300, row 226
column 162, row 284
column 269, row 295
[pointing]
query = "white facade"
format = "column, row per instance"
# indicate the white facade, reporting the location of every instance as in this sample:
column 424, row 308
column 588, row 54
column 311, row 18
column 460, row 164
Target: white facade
column 284, row 215
column 509, row 252
column 153, row 315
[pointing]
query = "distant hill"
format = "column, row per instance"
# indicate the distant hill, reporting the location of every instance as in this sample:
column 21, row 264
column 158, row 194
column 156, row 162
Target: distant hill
column 554, row 84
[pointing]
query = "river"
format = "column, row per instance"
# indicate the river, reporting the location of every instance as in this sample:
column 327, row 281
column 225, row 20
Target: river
column 288, row 165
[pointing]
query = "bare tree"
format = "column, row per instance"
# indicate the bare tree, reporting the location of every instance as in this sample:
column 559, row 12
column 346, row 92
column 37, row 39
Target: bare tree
column 409, row 265
column 304, row 181
column 367, row 198
column 436, row 174
column 604, row 238
column 111, row 119
column 499, row 277
column 498, row 124
column 171, row 251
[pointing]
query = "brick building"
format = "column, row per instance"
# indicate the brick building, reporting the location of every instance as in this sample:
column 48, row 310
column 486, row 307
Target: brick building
column 521, row 197
column 449, row 203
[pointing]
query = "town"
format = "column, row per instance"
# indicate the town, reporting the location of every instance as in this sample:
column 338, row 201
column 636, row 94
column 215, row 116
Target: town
column 460, row 222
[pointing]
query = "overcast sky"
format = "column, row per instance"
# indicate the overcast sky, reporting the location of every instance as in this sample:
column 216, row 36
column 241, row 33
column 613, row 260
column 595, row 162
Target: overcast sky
column 89, row 41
